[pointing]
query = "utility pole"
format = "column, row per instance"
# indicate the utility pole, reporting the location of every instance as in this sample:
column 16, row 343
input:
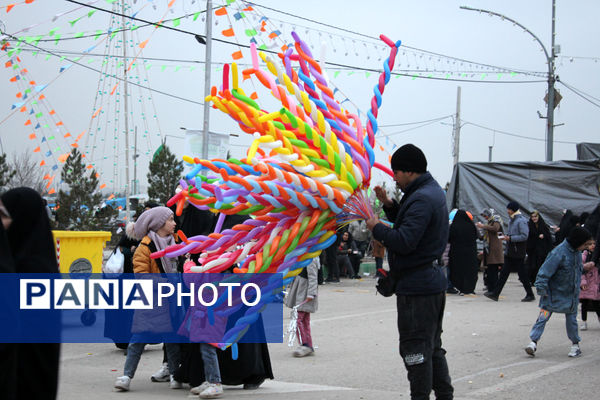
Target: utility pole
column 551, row 80
column 551, row 100
column 207, row 65
column 126, row 112
column 456, row 134
column 135, row 156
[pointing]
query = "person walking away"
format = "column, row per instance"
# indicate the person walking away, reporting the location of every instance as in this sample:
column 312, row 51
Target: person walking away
column 417, row 239
column 589, row 297
column 516, row 246
column 463, row 265
column 303, row 293
column 493, row 251
column 539, row 244
column 557, row 284
column 155, row 229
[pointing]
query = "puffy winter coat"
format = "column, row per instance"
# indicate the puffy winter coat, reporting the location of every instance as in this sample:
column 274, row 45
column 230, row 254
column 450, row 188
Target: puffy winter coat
column 302, row 287
column 591, row 280
column 558, row 280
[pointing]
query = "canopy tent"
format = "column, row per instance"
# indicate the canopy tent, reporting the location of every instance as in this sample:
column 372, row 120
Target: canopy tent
column 548, row 187
column 588, row 151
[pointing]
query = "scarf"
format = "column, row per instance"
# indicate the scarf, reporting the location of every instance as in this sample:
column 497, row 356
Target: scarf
column 161, row 243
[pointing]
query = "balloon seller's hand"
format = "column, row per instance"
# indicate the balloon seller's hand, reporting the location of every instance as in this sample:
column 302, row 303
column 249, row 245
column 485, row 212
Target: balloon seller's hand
column 371, row 222
column 479, row 225
column 309, row 298
column 382, row 196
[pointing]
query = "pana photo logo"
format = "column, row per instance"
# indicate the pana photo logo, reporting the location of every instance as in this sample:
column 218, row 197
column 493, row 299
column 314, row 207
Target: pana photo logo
column 136, row 294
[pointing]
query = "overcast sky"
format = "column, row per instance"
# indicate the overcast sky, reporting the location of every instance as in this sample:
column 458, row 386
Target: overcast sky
column 505, row 102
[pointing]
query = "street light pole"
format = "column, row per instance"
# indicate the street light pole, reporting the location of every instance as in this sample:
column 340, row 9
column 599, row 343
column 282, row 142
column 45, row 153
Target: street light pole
column 207, row 71
column 551, row 78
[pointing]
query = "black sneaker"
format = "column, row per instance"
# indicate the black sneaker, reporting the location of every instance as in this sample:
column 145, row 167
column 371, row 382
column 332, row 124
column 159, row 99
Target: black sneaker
column 528, row 298
column 451, row 291
column 491, row 296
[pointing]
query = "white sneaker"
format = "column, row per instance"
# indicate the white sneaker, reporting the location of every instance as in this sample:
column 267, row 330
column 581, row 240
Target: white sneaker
column 583, row 326
column 175, row 384
column 199, row 389
column 303, row 351
column 531, row 348
column 575, row 351
column 162, row 375
column 212, row 391
column 122, row 383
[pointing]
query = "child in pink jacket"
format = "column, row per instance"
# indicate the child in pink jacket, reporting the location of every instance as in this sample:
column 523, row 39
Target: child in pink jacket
column 589, row 297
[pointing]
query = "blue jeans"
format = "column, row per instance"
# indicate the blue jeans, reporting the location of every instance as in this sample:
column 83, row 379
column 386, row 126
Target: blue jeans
column 134, row 352
column 540, row 324
column 211, row 363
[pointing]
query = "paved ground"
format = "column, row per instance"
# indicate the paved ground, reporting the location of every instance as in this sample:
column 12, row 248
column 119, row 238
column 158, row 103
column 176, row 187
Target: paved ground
column 357, row 355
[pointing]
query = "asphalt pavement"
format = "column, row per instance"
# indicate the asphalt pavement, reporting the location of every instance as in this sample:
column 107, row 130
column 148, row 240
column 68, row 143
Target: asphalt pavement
column 357, row 354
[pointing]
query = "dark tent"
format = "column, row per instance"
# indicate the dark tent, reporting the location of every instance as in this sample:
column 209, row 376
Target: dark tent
column 548, row 187
column 588, row 151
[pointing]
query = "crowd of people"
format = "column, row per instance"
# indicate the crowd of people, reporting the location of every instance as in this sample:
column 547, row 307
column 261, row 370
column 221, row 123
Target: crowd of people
column 430, row 253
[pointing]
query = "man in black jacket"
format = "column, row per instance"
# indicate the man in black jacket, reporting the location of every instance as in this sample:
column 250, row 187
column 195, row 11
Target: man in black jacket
column 418, row 237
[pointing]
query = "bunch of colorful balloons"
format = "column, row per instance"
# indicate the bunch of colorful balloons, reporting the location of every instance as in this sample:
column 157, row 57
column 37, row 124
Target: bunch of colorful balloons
column 309, row 163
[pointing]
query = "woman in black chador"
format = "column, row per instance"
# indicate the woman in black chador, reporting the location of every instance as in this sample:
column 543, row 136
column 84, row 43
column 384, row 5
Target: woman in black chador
column 31, row 246
column 462, row 257
column 539, row 244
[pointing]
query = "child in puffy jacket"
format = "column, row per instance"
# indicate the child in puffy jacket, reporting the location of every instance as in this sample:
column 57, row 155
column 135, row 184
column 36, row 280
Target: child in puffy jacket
column 589, row 297
column 303, row 294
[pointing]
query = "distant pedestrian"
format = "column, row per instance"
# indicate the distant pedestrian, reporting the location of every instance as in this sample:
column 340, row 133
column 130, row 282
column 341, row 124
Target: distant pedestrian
column 345, row 249
column 378, row 254
column 493, row 251
column 303, row 294
column 516, row 247
column 589, row 297
column 463, row 265
column 539, row 244
column 557, row 285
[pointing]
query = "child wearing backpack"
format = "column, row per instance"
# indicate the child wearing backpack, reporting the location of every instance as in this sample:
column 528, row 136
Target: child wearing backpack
column 303, row 294
column 155, row 228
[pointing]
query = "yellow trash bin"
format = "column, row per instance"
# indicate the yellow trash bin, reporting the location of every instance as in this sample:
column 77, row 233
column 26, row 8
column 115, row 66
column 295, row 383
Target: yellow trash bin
column 80, row 252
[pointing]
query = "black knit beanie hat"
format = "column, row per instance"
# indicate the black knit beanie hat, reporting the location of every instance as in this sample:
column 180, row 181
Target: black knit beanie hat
column 513, row 205
column 409, row 158
column 578, row 236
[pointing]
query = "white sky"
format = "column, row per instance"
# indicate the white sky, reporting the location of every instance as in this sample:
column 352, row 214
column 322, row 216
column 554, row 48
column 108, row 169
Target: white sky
column 435, row 26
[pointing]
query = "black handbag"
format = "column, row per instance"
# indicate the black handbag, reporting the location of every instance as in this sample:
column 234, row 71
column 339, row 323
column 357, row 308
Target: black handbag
column 386, row 284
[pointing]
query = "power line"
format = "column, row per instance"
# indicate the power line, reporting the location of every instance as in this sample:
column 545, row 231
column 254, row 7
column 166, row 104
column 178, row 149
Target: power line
column 580, row 93
column 512, row 134
column 116, row 77
column 411, row 129
column 377, row 40
column 197, row 36
column 416, row 122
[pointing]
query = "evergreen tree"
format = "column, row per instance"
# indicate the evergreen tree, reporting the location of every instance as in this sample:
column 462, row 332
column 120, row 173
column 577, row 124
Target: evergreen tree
column 6, row 172
column 78, row 208
column 164, row 174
